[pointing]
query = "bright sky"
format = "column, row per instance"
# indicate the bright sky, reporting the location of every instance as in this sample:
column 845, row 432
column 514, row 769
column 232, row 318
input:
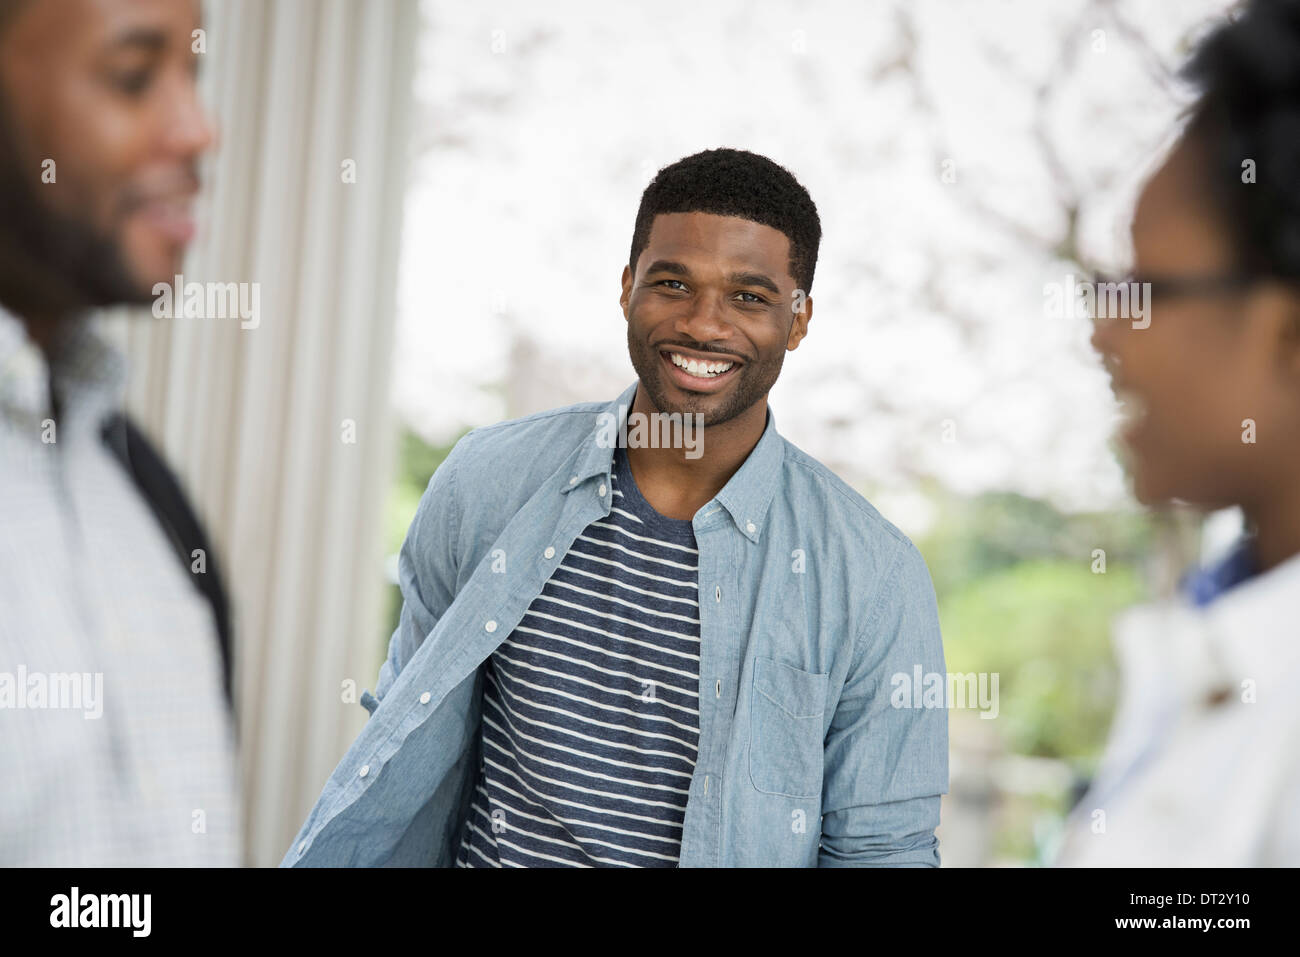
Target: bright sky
column 540, row 125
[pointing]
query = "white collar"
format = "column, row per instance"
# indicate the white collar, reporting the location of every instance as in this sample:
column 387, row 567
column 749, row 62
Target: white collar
column 89, row 371
column 1249, row 633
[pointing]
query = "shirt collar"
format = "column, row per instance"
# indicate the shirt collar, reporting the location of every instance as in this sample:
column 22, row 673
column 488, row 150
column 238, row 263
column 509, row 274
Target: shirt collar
column 89, row 372
column 1196, row 649
column 747, row 494
column 1203, row 585
column 24, row 376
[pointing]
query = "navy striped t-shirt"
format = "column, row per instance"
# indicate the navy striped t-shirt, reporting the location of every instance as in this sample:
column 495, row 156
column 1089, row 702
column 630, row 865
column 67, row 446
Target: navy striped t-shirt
column 591, row 705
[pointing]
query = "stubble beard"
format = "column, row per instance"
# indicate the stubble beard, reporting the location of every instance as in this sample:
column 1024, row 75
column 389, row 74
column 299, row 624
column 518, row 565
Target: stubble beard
column 753, row 381
column 53, row 264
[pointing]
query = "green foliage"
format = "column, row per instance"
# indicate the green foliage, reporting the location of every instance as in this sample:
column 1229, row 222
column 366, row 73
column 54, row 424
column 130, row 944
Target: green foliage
column 1018, row 595
column 977, row 536
column 1022, row 594
column 1044, row 627
column 416, row 462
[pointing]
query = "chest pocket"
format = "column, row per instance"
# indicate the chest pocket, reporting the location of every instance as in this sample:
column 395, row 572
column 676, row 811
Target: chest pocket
column 785, row 740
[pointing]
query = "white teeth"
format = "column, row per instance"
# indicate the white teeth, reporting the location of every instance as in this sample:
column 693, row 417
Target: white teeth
column 699, row 368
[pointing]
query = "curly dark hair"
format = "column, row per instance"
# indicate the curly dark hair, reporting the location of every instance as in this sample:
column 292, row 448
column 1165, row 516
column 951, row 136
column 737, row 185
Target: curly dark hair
column 1248, row 74
column 729, row 182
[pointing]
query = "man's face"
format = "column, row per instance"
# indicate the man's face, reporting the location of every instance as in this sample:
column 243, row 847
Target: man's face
column 709, row 316
column 1204, row 365
column 106, row 90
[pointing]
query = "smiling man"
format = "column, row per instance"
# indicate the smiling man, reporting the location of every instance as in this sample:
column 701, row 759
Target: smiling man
column 116, row 746
column 642, row 657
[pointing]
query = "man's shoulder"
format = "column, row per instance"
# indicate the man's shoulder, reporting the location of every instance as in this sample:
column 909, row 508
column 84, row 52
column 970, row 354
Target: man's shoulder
column 863, row 551
column 868, row 545
column 578, row 419
column 529, row 442
column 844, row 505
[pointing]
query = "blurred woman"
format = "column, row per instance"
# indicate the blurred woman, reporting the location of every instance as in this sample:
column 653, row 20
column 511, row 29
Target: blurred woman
column 1203, row 762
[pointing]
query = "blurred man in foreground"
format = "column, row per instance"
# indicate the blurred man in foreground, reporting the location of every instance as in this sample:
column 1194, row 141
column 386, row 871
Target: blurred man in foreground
column 1203, row 765
column 116, row 746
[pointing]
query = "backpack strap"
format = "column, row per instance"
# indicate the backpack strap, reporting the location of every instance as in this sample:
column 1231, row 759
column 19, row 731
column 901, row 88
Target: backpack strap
column 159, row 487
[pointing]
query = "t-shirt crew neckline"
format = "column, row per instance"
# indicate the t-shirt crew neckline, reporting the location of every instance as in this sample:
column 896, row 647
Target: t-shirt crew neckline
column 678, row 530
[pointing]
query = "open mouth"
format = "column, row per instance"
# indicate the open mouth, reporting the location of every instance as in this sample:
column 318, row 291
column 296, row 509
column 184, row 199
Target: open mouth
column 170, row 216
column 698, row 368
column 696, row 373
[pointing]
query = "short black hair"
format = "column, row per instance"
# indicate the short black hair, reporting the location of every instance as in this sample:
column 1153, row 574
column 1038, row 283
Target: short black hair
column 1248, row 74
column 727, row 182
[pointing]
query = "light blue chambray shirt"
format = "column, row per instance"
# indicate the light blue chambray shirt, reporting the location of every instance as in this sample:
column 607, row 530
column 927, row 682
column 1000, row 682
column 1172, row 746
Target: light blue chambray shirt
column 810, row 602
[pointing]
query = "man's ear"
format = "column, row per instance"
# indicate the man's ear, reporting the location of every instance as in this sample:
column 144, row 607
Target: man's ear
column 625, row 298
column 802, row 306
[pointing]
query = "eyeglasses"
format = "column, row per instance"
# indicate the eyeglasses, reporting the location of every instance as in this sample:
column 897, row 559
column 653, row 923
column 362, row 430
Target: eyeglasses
column 1169, row 287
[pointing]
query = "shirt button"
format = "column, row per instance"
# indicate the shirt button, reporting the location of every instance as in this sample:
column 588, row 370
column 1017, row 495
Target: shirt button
column 751, row 527
column 573, row 480
column 549, row 553
column 365, row 769
column 717, row 592
column 302, row 848
column 601, row 490
column 490, row 627
column 424, row 698
column 718, row 687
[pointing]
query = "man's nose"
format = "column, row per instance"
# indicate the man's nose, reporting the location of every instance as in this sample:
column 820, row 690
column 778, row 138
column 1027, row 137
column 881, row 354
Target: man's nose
column 191, row 131
column 703, row 320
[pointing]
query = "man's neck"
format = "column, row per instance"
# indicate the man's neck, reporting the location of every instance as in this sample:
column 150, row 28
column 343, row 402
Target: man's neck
column 677, row 486
column 42, row 325
column 1275, row 520
column 43, row 332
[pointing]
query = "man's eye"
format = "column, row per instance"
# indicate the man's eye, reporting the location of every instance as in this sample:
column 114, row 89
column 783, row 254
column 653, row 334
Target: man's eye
column 663, row 282
column 753, row 298
column 133, row 83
